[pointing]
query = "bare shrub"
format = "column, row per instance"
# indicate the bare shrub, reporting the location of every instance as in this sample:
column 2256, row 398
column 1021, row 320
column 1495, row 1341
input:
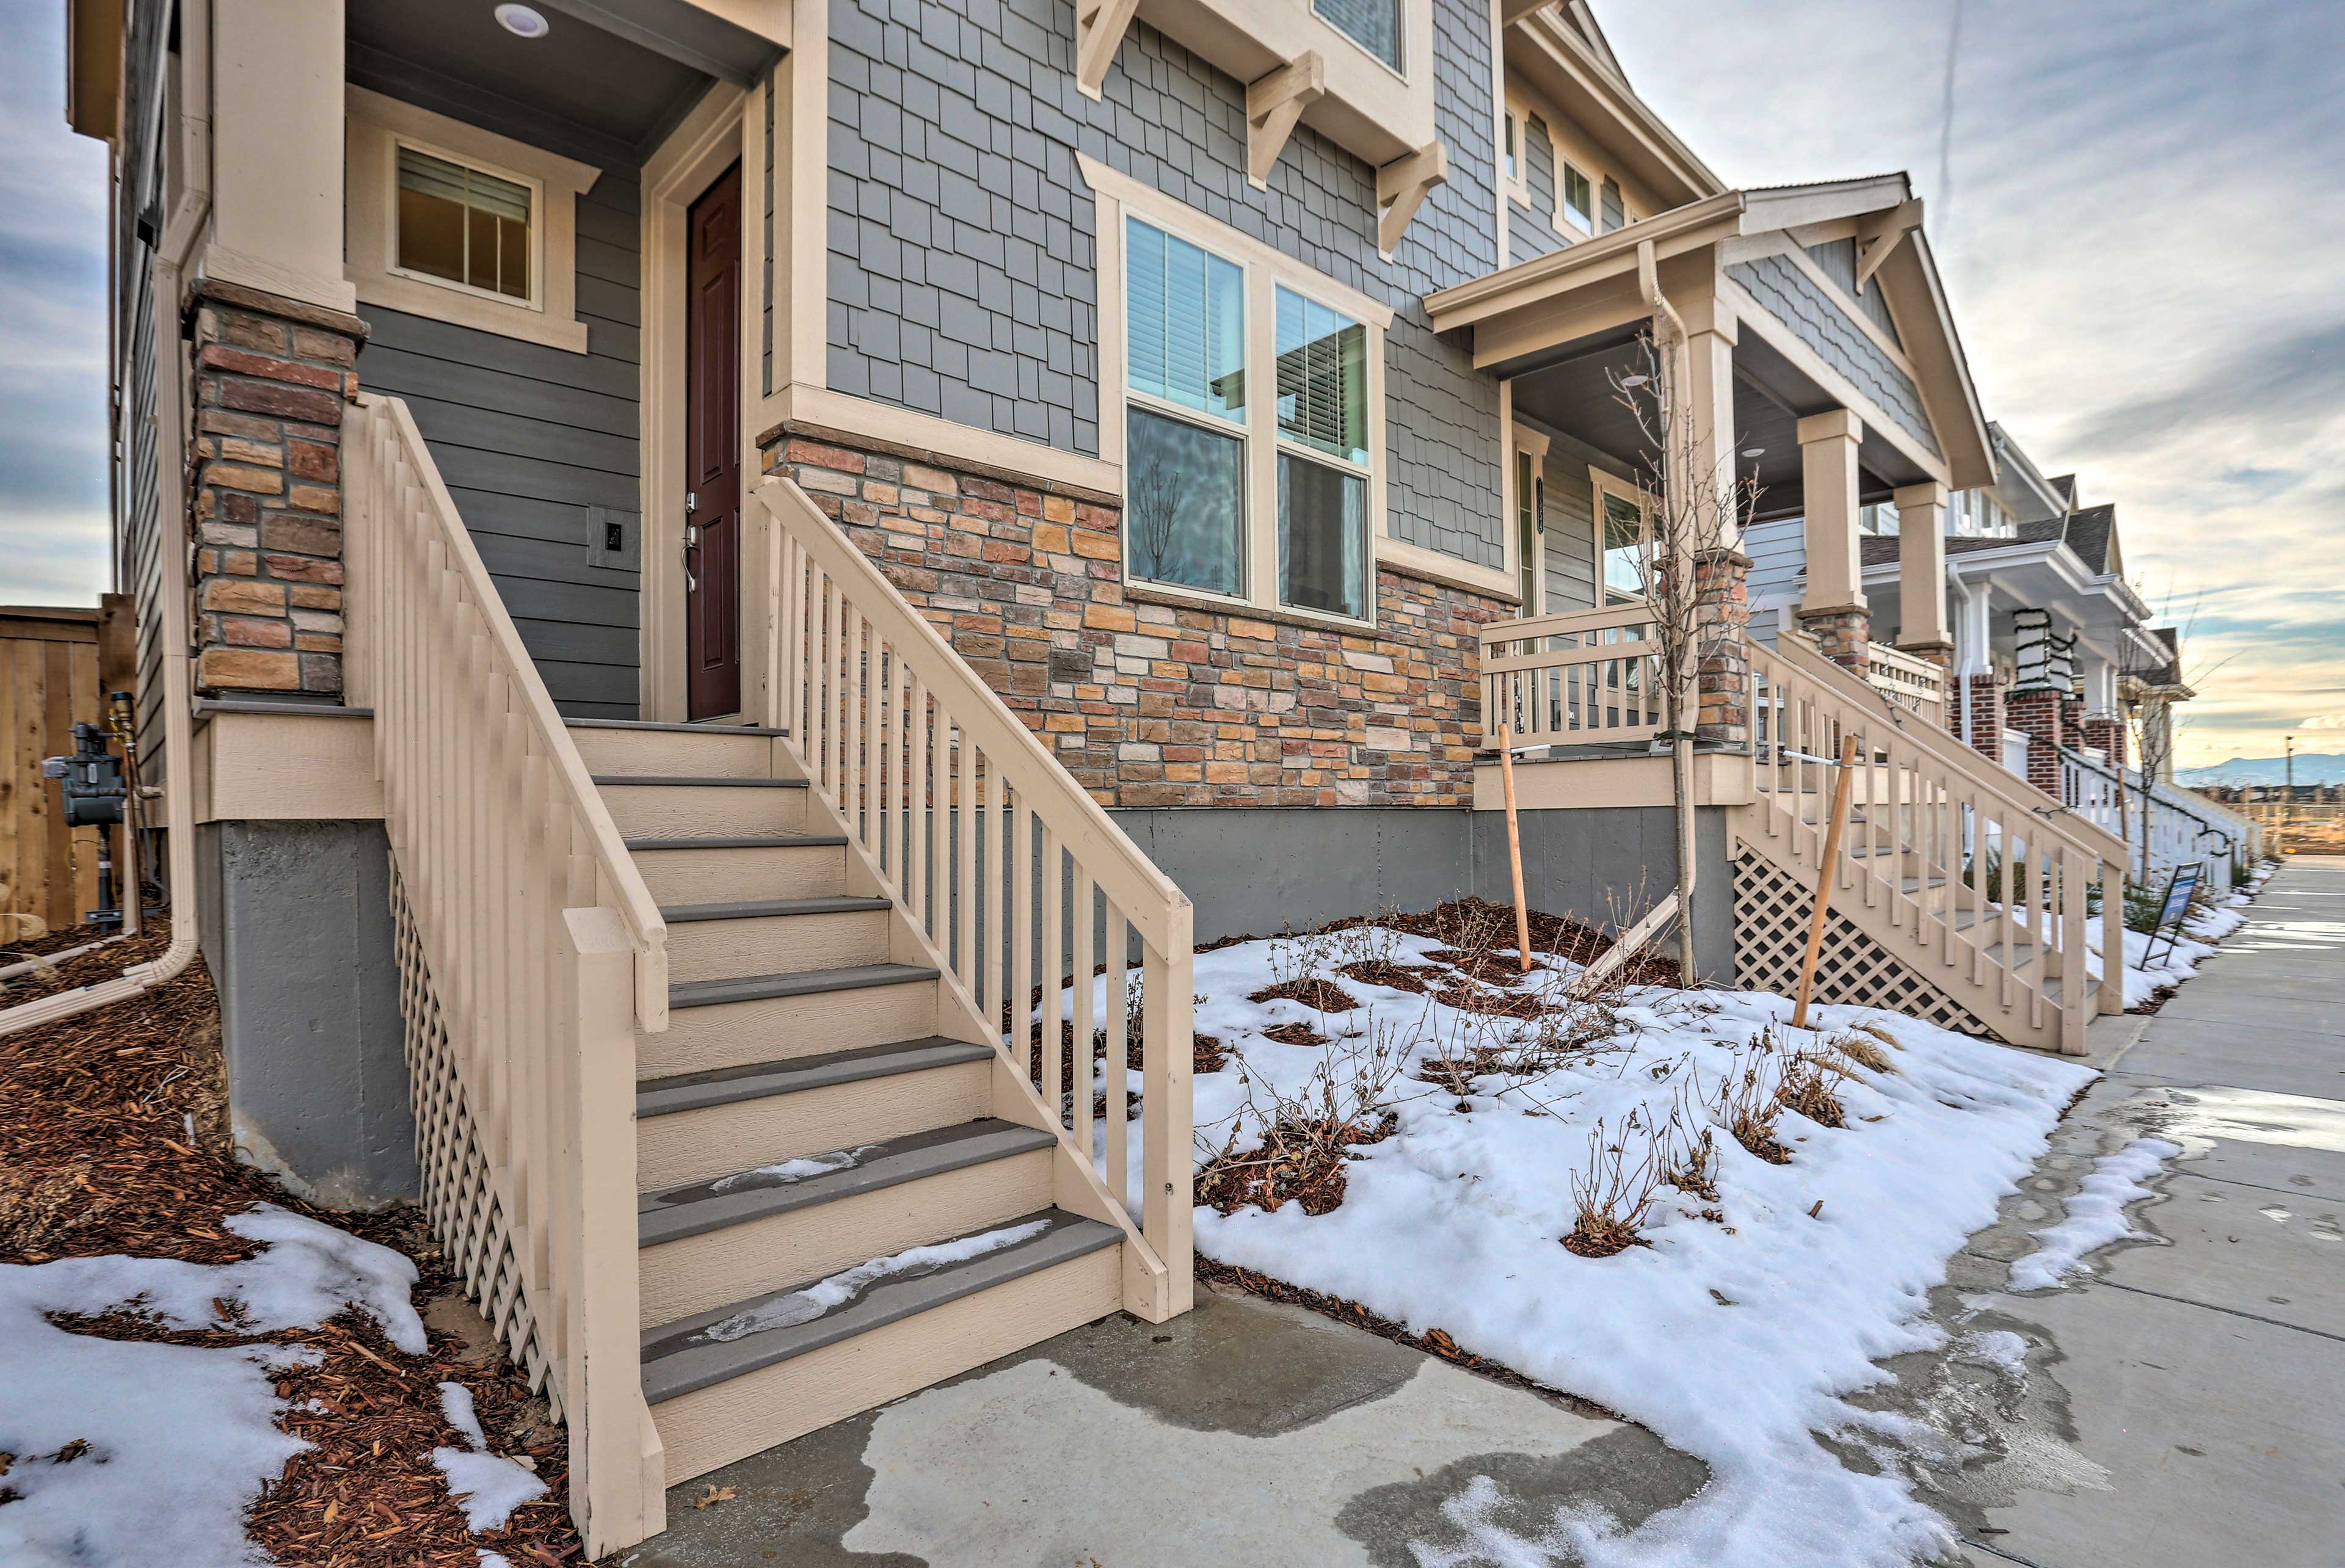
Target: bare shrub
column 1391, row 975
column 1284, row 1145
column 1614, row 1193
column 1748, row 1100
column 1810, row 1086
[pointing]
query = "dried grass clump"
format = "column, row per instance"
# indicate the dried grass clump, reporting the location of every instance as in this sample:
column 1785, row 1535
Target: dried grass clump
column 1319, row 994
column 1613, row 1194
column 1878, row 1033
column 1864, row 1053
column 1810, row 1086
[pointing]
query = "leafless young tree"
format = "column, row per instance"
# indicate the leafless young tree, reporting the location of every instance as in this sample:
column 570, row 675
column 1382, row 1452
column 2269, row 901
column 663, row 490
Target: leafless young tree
column 1695, row 507
column 1155, row 506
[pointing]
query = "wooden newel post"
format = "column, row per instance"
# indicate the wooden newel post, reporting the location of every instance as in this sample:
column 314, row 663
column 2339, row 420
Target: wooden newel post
column 1514, row 846
column 1826, row 876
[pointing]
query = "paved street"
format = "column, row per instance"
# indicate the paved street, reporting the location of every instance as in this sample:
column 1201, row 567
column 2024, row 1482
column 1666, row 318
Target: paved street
column 2186, row 1406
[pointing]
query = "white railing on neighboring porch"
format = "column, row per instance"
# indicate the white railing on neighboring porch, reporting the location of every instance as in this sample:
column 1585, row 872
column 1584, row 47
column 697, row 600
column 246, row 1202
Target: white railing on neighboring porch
column 530, row 952
column 2182, row 828
column 1964, row 865
column 1913, row 683
column 1010, row 870
column 1576, row 678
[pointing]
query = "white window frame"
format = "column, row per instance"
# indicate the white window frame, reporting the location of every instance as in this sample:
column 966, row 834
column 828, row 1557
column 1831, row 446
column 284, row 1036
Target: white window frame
column 378, row 127
column 1563, row 218
column 1522, row 441
column 1601, row 483
column 1266, row 270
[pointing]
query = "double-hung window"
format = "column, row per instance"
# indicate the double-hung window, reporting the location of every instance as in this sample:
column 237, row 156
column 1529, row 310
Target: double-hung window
column 1622, row 516
column 1576, row 197
column 1249, row 468
column 463, row 226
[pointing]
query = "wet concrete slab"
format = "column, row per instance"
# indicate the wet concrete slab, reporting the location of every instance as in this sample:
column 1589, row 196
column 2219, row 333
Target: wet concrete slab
column 1244, row 1432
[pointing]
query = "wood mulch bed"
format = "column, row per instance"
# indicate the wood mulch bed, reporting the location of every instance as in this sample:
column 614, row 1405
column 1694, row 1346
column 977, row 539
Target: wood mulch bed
column 113, row 1140
column 1321, row 995
column 1300, row 1163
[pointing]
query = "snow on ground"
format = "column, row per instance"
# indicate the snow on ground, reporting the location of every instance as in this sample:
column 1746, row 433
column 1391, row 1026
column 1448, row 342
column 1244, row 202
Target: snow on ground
column 2096, row 1216
column 1730, row 1335
column 121, row 1445
column 804, row 1306
column 488, row 1487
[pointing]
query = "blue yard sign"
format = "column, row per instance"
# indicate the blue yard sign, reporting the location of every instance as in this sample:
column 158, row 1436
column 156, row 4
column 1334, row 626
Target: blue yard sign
column 2170, row 914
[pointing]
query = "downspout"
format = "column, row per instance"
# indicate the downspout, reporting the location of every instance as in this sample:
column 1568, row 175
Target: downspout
column 1964, row 653
column 1649, row 281
column 178, row 700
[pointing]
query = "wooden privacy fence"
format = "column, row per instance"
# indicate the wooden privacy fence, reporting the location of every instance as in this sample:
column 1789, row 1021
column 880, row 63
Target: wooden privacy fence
column 530, row 954
column 55, row 664
column 999, row 860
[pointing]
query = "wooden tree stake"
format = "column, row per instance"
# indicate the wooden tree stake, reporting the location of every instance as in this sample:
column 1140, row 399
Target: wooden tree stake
column 1825, row 876
column 1515, row 846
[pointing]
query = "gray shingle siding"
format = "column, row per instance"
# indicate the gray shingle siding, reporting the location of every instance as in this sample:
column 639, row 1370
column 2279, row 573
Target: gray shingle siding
column 1530, row 230
column 963, row 278
column 1779, row 284
column 527, row 438
column 1837, row 258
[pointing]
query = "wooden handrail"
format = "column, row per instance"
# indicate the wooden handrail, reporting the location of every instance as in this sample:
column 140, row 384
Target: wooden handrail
column 1563, row 623
column 530, row 955
column 1005, row 866
column 1575, row 677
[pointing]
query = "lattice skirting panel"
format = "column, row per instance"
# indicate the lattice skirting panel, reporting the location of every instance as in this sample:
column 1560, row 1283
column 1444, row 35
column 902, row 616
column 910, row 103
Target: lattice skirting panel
column 459, row 1197
column 1772, row 911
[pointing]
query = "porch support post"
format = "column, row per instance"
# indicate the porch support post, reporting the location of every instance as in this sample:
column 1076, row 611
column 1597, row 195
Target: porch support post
column 1834, row 610
column 277, row 151
column 1921, row 572
column 1711, row 337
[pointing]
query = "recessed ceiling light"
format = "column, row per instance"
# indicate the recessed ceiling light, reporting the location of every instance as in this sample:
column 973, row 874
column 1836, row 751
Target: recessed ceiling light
column 522, row 22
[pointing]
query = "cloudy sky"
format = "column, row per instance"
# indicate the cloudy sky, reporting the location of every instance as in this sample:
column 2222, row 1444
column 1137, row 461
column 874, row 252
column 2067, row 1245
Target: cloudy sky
column 2136, row 205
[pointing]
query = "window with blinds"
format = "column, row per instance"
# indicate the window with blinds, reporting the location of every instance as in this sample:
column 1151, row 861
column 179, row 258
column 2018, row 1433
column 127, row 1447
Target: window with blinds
column 1372, row 25
column 461, row 226
column 1578, row 197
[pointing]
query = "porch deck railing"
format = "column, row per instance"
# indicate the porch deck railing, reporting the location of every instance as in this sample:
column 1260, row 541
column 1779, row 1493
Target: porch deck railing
column 530, row 954
column 1958, row 863
column 1576, row 678
column 2179, row 830
column 1003, row 865
column 1913, row 682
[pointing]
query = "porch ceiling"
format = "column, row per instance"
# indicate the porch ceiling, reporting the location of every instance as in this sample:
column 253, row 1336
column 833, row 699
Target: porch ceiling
column 604, row 86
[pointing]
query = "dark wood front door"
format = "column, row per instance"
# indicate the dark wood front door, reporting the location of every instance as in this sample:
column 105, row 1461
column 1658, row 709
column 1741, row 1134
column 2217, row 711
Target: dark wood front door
column 712, row 467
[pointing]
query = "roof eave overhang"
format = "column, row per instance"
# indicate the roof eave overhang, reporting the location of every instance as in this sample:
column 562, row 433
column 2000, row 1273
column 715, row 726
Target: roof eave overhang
column 1547, row 279
column 1563, row 68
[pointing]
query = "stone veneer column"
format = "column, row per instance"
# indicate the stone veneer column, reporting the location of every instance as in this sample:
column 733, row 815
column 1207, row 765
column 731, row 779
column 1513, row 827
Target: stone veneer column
column 1722, row 583
column 271, row 375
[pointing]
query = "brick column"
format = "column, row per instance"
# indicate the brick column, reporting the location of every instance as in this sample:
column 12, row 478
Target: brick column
column 1721, row 586
column 2035, row 712
column 2109, row 735
column 2072, row 720
column 1986, row 715
column 270, row 378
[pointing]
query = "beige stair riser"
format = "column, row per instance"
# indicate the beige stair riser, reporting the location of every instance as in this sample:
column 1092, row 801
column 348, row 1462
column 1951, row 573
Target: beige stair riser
column 735, row 876
column 707, row 811
column 672, row 752
column 701, row 1145
column 732, row 1420
column 775, row 944
column 700, row 1274
column 779, row 1029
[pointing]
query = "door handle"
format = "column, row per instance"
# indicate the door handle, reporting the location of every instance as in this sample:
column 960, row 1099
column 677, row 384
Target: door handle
column 691, row 543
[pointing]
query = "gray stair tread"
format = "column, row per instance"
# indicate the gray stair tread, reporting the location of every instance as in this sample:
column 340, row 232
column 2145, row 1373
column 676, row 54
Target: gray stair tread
column 1910, row 884
column 705, row 1206
column 679, row 1359
column 799, row 983
column 670, row 728
column 759, row 1080
column 751, row 840
column 694, row 781
column 2051, row 989
column 2021, row 952
column 758, row 908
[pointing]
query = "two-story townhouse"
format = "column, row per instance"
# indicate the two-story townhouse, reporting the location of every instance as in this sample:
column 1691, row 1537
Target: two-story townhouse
column 691, row 551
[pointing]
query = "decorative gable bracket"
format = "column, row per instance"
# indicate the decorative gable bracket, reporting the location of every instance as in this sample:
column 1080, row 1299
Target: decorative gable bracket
column 1879, row 234
column 1402, row 186
column 1100, row 27
column 1274, row 106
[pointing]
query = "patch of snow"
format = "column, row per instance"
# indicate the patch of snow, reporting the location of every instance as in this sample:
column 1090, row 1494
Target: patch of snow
column 2096, row 1216
column 806, row 1305
column 795, row 1170
column 489, row 1559
column 1731, row 1338
column 180, row 1438
column 487, row 1487
column 1999, row 1348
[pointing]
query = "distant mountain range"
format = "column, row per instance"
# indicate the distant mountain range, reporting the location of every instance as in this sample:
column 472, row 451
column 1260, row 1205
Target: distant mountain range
column 2312, row 767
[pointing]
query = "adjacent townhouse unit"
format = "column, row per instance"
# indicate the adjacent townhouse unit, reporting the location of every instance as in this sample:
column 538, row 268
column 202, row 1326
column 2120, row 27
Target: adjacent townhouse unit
column 695, row 557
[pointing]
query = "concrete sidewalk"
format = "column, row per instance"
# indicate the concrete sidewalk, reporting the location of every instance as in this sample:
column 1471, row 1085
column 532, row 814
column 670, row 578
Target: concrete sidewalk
column 2184, row 1405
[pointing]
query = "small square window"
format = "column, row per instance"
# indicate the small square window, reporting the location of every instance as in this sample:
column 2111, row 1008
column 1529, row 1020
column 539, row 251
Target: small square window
column 1372, row 25
column 462, row 225
column 1579, row 199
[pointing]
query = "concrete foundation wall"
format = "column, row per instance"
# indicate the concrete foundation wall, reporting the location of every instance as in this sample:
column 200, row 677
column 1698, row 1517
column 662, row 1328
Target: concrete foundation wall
column 1253, row 871
column 297, row 932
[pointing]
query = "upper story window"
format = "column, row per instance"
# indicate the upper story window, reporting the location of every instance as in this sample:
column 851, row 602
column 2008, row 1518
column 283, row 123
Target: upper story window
column 463, row 226
column 1575, row 198
column 1514, row 162
column 1374, row 25
column 1265, row 501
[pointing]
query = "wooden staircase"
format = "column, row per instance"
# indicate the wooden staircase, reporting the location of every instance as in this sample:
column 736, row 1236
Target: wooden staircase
column 1963, row 893
column 814, row 1112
